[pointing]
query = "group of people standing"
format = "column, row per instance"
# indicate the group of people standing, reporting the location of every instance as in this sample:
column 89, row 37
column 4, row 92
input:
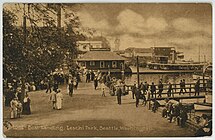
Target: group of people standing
column 18, row 107
column 17, row 99
column 158, row 90
column 73, row 82
column 174, row 111
column 56, row 98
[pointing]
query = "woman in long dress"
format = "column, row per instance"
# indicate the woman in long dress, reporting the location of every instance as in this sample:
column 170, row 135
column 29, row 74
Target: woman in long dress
column 26, row 105
column 13, row 108
column 59, row 97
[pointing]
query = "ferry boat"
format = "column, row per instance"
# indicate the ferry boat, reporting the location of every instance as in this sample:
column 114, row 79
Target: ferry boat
column 176, row 66
column 207, row 71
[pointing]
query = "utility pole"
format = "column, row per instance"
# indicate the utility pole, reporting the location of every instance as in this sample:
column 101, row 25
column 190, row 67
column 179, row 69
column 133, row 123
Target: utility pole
column 199, row 54
column 24, row 26
column 138, row 75
column 59, row 16
column 24, row 45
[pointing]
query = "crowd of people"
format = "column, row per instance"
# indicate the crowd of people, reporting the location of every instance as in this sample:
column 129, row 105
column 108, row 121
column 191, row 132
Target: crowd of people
column 151, row 91
column 175, row 112
column 205, row 123
column 56, row 98
column 18, row 107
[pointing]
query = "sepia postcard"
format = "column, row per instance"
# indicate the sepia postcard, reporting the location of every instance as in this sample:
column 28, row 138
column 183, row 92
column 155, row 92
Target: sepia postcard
column 73, row 70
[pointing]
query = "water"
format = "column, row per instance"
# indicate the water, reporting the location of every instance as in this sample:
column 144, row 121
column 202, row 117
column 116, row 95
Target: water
column 173, row 78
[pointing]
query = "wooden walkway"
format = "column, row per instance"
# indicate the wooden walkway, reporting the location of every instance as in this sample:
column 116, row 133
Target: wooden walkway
column 175, row 94
column 178, row 98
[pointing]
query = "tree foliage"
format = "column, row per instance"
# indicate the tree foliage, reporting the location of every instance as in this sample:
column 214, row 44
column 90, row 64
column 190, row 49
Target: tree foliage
column 40, row 48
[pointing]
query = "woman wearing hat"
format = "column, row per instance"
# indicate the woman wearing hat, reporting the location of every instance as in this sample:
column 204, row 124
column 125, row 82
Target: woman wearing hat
column 26, row 105
column 59, row 98
column 13, row 108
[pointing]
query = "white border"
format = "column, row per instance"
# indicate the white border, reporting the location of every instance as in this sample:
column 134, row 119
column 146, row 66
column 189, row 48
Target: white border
column 103, row 1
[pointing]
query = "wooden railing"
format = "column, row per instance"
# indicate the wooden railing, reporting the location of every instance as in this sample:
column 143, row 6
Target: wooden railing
column 190, row 88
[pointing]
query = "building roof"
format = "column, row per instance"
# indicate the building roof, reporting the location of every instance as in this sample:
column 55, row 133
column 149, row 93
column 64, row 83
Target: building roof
column 89, row 41
column 139, row 50
column 100, row 55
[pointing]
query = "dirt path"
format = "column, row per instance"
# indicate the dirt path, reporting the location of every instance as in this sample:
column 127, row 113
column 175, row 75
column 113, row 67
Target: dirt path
column 87, row 113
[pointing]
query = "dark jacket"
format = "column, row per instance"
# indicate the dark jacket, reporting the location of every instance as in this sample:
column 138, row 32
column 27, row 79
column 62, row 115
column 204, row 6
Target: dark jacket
column 153, row 88
column 119, row 92
column 160, row 86
column 138, row 94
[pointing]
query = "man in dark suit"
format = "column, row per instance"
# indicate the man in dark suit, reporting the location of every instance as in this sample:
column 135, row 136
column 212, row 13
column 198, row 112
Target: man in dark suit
column 119, row 94
column 169, row 91
column 160, row 89
column 153, row 90
column 197, row 85
column 137, row 95
column 134, row 90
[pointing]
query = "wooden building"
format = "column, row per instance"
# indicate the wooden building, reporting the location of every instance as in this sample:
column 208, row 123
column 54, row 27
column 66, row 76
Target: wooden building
column 103, row 61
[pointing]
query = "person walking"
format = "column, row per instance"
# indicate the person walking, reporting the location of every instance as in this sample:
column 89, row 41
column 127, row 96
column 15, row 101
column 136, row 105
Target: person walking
column 134, row 89
column 169, row 91
column 87, row 77
column 95, row 83
column 184, row 85
column 146, row 86
column 71, row 87
column 59, row 99
column 137, row 95
column 142, row 87
column 119, row 95
column 26, row 105
column 48, row 86
column 160, row 89
column 13, row 108
column 75, row 83
column 103, row 89
column 92, row 75
column 53, row 99
column 182, row 117
column 78, row 79
column 197, row 85
column 153, row 90
column 55, row 87
column 181, row 87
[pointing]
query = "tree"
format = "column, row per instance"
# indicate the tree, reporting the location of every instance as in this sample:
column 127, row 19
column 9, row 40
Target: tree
column 33, row 51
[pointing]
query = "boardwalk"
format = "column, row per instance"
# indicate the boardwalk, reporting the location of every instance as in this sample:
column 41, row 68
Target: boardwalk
column 87, row 113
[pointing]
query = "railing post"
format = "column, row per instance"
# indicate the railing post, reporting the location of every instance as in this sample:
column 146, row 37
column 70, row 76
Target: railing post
column 190, row 89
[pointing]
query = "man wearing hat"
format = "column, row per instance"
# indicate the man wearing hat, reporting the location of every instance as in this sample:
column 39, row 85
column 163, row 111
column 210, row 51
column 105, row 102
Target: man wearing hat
column 119, row 94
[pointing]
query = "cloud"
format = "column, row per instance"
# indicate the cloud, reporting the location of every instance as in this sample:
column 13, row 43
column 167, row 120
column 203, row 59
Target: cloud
column 88, row 21
column 190, row 47
column 128, row 40
column 129, row 21
column 157, row 24
column 134, row 30
column 190, row 25
column 132, row 22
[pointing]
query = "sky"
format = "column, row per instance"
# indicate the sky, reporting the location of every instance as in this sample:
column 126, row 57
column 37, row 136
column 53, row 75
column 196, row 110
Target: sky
column 187, row 27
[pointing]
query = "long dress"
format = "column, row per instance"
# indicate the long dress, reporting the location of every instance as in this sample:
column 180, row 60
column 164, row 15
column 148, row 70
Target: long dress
column 13, row 107
column 59, row 98
column 26, row 106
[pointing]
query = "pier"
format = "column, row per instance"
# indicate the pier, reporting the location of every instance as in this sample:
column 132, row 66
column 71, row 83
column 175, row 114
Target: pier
column 87, row 113
column 154, row 71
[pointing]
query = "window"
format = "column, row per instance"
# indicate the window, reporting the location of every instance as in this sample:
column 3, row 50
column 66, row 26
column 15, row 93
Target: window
column 114, row 64
column 92, row 63
column 102, row 64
